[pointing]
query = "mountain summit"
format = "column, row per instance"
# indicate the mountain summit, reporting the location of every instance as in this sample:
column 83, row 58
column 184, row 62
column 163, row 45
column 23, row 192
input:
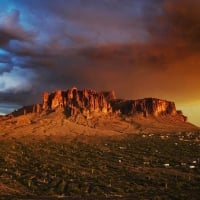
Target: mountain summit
column 89, row 112
column 89, row 102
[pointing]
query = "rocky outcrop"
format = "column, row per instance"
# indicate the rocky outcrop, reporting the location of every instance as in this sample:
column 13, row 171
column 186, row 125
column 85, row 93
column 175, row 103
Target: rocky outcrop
column 147, row 106
column 89, row 102
column 76, row 101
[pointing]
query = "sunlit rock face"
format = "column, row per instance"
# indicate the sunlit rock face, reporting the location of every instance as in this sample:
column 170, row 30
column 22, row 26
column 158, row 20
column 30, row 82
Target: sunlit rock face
column 45, row 100
column 88, row 102
column 147, row 106
column 76, row 101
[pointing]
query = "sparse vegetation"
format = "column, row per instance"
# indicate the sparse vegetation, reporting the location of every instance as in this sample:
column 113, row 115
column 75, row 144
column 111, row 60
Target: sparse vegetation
column 151, row 166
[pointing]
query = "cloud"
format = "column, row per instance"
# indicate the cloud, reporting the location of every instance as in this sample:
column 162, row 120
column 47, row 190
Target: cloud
column 16, row 80
column 11, row 101
column 5, row 67
column 6, row 108
column 10, row 29
column 5, row 62
column 139, row 48
column 178, row 24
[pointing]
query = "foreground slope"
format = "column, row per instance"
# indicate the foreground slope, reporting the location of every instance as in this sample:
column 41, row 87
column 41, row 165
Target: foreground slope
column 147, row 166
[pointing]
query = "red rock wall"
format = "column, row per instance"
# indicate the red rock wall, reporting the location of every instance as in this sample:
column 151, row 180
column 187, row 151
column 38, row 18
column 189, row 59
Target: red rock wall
column 79, row 100
column 147, row 106
column 74, row 101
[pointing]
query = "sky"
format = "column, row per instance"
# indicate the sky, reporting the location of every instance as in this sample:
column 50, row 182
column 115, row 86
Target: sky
column 139, row 48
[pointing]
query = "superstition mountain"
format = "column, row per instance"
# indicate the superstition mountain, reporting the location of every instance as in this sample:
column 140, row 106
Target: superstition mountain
column 89, row 112
column 89, row 102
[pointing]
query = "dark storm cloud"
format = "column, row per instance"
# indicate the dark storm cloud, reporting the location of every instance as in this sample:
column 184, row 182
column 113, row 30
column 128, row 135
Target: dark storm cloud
column 10, row 29
column 108, row 44
column 10, row 97
column 179, row 24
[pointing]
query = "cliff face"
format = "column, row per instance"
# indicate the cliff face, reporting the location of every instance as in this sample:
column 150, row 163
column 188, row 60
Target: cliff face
column 88, row 102
column 76, row 101
column 147, row 106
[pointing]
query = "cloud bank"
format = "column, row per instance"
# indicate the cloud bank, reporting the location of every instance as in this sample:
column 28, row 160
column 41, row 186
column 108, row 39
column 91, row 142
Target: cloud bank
column 139, row 48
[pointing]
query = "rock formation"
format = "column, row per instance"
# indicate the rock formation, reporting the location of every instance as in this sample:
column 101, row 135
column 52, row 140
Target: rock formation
column 89, row 102
column 76, row 101
column 147, row 106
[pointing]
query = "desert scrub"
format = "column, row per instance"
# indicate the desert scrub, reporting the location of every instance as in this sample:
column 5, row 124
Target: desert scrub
column 133, row 167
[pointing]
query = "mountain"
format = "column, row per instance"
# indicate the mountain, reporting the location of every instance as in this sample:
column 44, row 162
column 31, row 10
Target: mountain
column 90, row 102
column 74, row 112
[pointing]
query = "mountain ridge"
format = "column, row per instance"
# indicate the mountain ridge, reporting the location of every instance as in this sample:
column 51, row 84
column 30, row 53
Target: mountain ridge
column 72, row 113
column 88, row 102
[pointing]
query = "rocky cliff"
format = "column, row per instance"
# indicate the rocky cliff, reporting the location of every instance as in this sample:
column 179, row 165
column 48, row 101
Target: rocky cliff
column 89, row 102
column 75, row 101
column 147, row 106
